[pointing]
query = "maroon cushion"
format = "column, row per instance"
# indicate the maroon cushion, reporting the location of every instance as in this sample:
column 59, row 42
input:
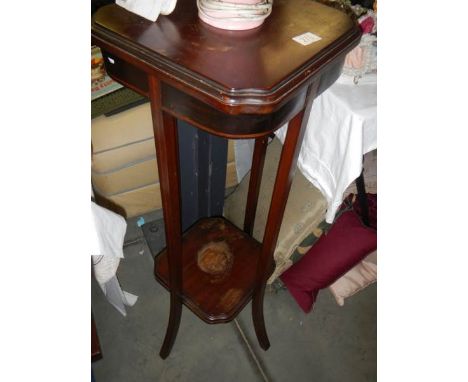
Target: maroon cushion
column 336, row 252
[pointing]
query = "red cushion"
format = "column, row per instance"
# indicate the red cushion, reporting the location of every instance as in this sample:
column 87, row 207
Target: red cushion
column 336, row 252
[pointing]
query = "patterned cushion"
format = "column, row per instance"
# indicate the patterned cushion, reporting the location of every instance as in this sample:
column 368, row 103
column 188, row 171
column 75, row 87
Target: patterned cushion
column 304, row 211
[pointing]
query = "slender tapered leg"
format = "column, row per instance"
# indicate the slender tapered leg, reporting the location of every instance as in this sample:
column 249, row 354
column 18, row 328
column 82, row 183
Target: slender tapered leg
column 254, row 183
column 165, row 135
column 284, row 177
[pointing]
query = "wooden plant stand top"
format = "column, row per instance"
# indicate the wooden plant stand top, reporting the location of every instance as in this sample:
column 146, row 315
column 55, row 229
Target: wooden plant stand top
column 234, row 84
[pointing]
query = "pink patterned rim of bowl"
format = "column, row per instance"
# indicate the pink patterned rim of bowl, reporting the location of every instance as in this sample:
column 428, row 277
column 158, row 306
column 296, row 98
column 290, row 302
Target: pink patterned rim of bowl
column 224, row 15
column 229, row 24
column 242, row 1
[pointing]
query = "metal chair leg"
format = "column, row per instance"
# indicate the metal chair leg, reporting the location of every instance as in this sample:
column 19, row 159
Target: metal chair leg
column 362, row 197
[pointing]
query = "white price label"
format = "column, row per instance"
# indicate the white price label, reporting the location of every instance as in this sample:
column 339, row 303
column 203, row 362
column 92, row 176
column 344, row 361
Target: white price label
column 307, row 38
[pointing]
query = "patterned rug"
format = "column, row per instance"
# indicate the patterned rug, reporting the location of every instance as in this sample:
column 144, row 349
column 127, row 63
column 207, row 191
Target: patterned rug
column 115, row 102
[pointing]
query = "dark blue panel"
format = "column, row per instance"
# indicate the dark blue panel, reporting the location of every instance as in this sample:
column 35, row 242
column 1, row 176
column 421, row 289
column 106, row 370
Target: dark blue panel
column 203, row 159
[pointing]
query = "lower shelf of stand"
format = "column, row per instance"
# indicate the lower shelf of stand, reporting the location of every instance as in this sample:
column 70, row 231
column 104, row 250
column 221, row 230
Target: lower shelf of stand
column 214, row 298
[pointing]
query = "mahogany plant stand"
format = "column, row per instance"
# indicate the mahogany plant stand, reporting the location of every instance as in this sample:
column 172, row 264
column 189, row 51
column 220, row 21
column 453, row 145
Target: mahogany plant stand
column 233, row 84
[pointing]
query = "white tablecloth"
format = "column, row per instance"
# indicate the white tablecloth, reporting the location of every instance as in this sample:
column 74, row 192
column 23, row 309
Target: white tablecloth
column 342, row 127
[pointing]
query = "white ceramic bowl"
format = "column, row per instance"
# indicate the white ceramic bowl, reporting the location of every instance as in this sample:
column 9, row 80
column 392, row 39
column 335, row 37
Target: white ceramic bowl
column 231, row 24
column 234, row 14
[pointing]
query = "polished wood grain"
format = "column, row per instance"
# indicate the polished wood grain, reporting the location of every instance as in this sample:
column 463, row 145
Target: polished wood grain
column 256, row 172
column 165, row 136
column 283, row 182
column 234, row 84
column 126, row 73
column 214, row 298
column 235, row 71
column 214, row 121
column 96, row 353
